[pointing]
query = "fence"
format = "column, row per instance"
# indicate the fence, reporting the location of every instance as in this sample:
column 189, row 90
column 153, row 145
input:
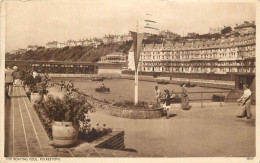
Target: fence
column 216, row 96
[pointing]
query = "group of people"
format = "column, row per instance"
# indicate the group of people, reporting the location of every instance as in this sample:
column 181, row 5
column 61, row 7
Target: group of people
column 69, row 87
column 167, row 99
column 245, row 99
column 18, row 77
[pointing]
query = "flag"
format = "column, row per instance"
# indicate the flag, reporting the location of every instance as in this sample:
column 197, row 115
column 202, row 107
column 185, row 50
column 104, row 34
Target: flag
column 137, row 44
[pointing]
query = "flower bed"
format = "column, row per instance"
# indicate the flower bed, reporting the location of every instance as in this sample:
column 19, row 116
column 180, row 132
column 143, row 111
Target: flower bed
column 69, row 109
column 140, row 106
column 143, row 110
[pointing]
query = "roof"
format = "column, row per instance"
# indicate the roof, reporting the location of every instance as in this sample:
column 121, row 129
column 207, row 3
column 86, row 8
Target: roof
column 245, row 25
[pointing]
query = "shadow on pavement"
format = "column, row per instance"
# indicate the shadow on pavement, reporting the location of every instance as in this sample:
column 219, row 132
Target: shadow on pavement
column 247, row 122
column 172, row 115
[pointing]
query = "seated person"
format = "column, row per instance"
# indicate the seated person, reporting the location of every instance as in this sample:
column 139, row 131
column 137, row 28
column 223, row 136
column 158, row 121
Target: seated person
column 102, row 86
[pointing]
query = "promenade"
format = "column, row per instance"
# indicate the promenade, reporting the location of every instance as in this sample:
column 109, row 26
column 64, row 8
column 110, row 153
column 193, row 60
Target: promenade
column 26, row 137
column 211, row 131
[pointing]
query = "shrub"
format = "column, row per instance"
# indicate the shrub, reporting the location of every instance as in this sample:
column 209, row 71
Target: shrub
column 67, row 109
column 131, row 105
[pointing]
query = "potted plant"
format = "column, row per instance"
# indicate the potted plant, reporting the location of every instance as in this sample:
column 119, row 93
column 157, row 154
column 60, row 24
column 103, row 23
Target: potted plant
column 66, row 114
column 38, row 91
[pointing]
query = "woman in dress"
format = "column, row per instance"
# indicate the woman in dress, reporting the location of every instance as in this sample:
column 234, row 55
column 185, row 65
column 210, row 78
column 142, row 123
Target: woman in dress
column 185, row 98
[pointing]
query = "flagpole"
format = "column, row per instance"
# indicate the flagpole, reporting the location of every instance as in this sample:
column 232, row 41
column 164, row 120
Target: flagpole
column 136, row 86
column 136, row 75
column 137, row 45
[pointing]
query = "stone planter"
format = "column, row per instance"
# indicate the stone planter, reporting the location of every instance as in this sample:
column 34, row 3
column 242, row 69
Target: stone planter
column 64, row 134
column 35, row 97
column 136, row 114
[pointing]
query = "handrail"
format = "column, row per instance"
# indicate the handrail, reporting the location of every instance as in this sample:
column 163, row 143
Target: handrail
column 201, row 92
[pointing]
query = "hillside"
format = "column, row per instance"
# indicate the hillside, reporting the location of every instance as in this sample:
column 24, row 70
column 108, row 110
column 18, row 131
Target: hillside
column 73, row 54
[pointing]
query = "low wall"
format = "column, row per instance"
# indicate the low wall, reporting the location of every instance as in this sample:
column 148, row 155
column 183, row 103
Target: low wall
column 126, row 113
column 197, row 82
column 113, row 140
column 83, row 75
column 136, row 114
column 208, row 76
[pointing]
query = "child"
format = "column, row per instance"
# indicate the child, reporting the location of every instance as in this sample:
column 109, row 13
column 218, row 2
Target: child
column 167, row 103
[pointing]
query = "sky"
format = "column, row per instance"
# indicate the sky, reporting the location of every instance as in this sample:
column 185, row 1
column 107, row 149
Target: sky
column 40, row 21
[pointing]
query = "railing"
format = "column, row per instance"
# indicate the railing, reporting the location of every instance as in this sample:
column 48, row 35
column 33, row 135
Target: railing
column 201, row 98
column 220, row 97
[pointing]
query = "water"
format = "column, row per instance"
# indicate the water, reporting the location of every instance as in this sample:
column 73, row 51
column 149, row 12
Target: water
column 123, row 89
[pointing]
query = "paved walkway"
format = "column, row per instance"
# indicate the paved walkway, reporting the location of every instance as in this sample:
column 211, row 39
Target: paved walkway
column 208, row 131
column 211, row 131
column 25, row 135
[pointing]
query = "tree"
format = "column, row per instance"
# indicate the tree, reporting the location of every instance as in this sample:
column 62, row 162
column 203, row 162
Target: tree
column 226, row 30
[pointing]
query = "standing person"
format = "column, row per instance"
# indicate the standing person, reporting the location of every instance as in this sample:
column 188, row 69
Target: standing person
column 34, row 74
column 70, row 86
column 167, row 103
column 185, row 98
column 158, row 94
column 9, row 79
column 246, row 101
column 38, row 78
column 61, row 85
column 15, row 75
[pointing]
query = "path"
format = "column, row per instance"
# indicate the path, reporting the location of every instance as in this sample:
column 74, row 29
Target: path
column 206, row 132
column 25, row 135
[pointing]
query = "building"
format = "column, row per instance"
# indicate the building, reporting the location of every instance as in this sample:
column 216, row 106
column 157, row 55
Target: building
column 32, row 47
column 108, row 39
column 191, row 35
column 109, row 68
column 79, row 43
column 71, row 43
column 232, row 55
column 86, row 42
column 214, row 30
column 19, row 51
column 118, row 39
column 116, row 57
column 61, row 45
column 52, row 44
column 246, row 28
